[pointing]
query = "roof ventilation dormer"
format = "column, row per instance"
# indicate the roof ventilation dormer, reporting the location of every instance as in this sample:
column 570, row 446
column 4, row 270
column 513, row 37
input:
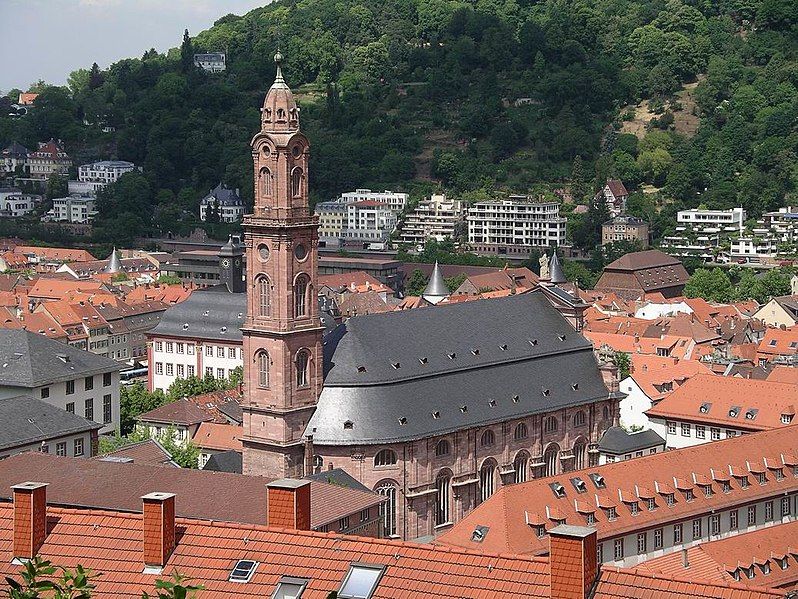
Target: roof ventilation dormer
column 479, row 533
column 579, row 484
column 734, row 411
column 452, row 356
column 475, row 351
column 598, row 480
column 533, row 342
column 705, row 407
column 396, row 365
column 557, row 489
column 402, row 421
column 750, row 413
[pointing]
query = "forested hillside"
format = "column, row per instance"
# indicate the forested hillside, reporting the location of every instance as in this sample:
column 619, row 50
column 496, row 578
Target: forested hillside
column 475, row 96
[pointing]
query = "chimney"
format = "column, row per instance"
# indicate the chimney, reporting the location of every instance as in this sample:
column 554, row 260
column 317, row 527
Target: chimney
column 288, row 503
column 572, row 561
column 30, row 518
column 159, row 529
column 685, row 560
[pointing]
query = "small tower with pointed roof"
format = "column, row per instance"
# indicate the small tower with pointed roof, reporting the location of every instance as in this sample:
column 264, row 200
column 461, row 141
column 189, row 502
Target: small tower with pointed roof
column 114, row 265
column 436, row 290
column 556, row 276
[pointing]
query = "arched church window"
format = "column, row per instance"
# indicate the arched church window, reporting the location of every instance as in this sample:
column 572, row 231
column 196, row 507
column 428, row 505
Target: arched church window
column 521, row 467
column 296, row 182
column 263, row 369
column 442, row 448
column 488, row 439
column 521, row 432
column 443, row 483
column 264, row 296
column 550, row 425
column 300, row 296
column 302, row 360
column 265, row 182
column 388, row 508
column 385, row 457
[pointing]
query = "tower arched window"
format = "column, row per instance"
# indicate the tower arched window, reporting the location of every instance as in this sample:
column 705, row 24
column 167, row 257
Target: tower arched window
column 302, row 361
column 300, row 296
column 388, row 508
column 296, row 182
column 487, row 476
column 265, row 182
column 521, row 467
column 488, row 439
column 443, row 484
column 263, row 369
column 442, row 448
column 264, row 296
column 550, row 425
column 385, row 457
column 521, row 432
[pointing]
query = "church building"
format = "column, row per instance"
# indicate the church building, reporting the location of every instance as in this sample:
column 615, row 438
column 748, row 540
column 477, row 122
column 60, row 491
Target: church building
column 434, row 408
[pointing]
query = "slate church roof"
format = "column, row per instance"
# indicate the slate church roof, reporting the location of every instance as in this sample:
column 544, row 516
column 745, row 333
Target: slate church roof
column 406, row 375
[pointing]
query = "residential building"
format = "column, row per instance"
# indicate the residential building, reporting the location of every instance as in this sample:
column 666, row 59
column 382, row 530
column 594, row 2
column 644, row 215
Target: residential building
column 148, row 452
column 625, row 228
column 634, row 275
column 781, row 311
column 178, row 419
column 753, row 248
column 436, row 425
column 14, row 203
column 510, row 279
column 435, row 218
column 212, row 438
column 40, row 256
column 712, row 221
column 128, row 325
column 615, row 195
column 779, row 346
column 49, row 159
column 65, row 377
column 650, row 506
column 99, row 174
column 31, row 424
column 617, row 445
column 332, row 222
column 226, row 203
column 369, row 221
column 211, row 62
column 14, row 158
column 73, row 209
column 651, row 378
column 514, row 226
column 285, row 560
column 27, row 98
column 708, row 408
column 395, row 200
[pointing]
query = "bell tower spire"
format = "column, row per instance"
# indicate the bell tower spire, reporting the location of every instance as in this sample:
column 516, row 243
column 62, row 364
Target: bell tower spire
column 282, row 332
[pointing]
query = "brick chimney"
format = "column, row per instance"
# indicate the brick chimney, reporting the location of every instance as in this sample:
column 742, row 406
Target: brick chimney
column 572, row 561
column 30, row 518
column 159, row 528
column 288, row 503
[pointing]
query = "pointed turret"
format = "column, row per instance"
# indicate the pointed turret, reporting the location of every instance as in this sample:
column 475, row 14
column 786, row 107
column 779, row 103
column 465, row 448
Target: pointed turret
column 556, row 274
column 280, row 113
column 114, row 265
column 436, row 289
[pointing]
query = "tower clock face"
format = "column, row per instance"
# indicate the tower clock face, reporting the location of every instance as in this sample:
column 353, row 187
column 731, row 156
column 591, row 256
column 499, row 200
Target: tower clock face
column 237, row 262
column 226, row 263
column 300, row 252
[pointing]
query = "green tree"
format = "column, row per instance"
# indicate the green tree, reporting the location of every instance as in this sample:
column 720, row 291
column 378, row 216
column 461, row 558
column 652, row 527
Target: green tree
column 186, row 53
column 623, row 363
column 579, row 188
column 134, row 400
column 95, row 77
column 175, row 588
column 416, row 283
column 56, row 187
column 40, row 581
column 185, row 455
column 712, row 285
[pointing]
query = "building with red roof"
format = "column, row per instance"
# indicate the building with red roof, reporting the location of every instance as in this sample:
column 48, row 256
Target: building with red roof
column 49, row 158
column 779, row 346
column 637, row 274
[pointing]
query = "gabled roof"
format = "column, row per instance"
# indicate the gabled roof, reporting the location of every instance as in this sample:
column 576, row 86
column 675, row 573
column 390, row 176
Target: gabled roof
column 219, row 437
column 756, row 405
column 212, row 313
column 27, row 420
column 148, row 452
column 54, row 254
column 653, row 373
column 779, row 342
column 681, row 325
column 225, row 461
column 181, row 412
column 30, row 360
column 505, row 512
column 616, row 440
column 617, row 187
column 618, row 583
column 784, row 374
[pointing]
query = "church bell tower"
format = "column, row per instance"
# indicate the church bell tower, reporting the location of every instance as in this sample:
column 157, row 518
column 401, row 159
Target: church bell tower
column 282, row 332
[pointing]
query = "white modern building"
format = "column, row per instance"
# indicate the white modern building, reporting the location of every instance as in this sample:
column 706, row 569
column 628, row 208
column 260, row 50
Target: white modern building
column 753, row 248
column 225, row 201
column 99, row 174
column 211, row 62
column 712, row 220
column 14, row 203
column 434, row 218
column 395, row 200
column 514, row 226
column 369, row 221
column 74, row 209
column 63, row 376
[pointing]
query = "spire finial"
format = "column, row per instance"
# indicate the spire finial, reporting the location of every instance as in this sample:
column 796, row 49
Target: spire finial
column 278, row 59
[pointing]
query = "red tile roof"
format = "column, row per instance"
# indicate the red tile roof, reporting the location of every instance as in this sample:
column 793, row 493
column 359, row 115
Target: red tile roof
column 716, row 560
column 56, row 289
column 219, row 437
column 181, row 412
column 617, row 188
column 357, row 281
column 653, row 374
column 784, row 374
column 617, row 583
column 507, row 510
column 55, row 254
column 148, row 452
column 770, row 400
column 778, row 342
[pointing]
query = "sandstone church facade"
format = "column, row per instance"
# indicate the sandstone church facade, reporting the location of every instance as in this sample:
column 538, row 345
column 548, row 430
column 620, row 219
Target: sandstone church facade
column 434, row 408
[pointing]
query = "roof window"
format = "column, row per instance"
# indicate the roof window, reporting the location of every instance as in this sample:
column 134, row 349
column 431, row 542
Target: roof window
column 243, row 570
column 479, row 533
column 464, row 409
column 516, row 398
column 349, row 425
column 579, row 485
column 436, row 415
column 185, row 326
column 598, row 480
column 492, row 403
column 751, row 413
column 705, row 407
column 361, row 369
column 290, row 588
column 475, row 351
column 575, row 386
column 546, row 392
column 503, row 347
column 533, row 342
column 361, row 581
column 422, row 360
column 561, row 337
column 734, row 412
column 402, row 421
column 396, row 365
column 452, row 356
column 557, row 489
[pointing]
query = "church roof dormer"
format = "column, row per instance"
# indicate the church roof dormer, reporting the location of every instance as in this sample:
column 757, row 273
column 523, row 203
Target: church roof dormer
column 280, row 112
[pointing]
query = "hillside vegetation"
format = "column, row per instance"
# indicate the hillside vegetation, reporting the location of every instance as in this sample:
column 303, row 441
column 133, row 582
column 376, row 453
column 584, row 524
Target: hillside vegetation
column 474, row 96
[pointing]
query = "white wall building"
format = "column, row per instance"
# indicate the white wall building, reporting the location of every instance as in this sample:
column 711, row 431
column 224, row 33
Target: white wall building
column 174, row 358
column 332, row 220
column 396, row 200
column 433, row 218
column 99, row 174
column 226, row 201
column 74, row 209
column 653, row 310
column 728, row 220
column 370, row 221
column 515, row 225
column 754, row 248
column 14, row 203
column 211, row 62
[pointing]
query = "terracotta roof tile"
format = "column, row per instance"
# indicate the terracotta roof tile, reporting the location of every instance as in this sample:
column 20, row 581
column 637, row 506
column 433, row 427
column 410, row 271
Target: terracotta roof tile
column 219, row 437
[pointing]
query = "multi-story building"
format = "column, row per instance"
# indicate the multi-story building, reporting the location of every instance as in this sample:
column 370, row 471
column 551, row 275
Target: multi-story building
column 13, row 158
column 647, row 507
column 513, row 227
column 332, row 221
column 617, row 445
column 211, row 62
column 625, row 228
column 709, row 408
column 395, row 200
column 14, row 203
column 434, row 218
column 436, row 425
column 369, row 221
column 49, row 159
column 754, row 248
column 74, row 209
column 99, row 174
column 615, row 195
column 634, row 275
column 712, row 220
column 63, row 376
column 128, row 325
column 225, row 202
